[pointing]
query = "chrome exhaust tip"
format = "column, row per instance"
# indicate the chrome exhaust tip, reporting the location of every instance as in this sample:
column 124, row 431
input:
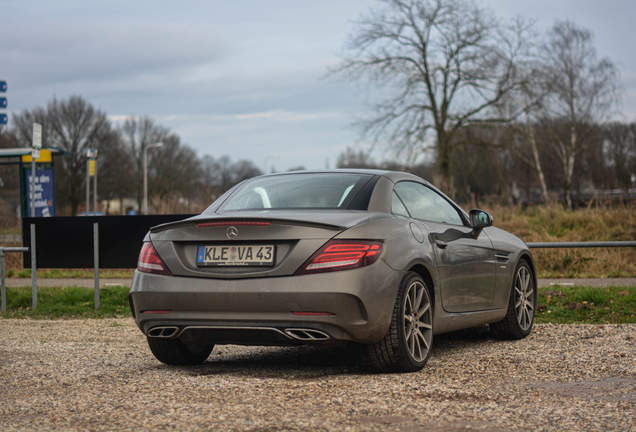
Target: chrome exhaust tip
column 307, row 334
column 163, row 332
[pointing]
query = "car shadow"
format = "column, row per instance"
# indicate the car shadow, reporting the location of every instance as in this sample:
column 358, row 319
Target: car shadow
column 444, row 344
column 307, row 362
column 301, row 362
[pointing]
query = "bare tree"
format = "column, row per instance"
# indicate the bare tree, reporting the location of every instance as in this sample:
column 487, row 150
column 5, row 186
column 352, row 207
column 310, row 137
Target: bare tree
column 116, row 172
column 580, row 94
column 449, row 64
column 351, row 158
column 619, row 147
column 137, row 134
column 221, row 174
column 174, row 170
column 526, row 145
column 74, row 126
column 23, row 126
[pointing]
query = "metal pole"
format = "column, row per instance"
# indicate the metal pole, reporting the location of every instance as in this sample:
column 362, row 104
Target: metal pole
column 95, row 189
column 96, row 262
column 146, row 180
column 88, row 181
column 32, row 184
column 34, row 276
column 2, row 282
column 602, row 244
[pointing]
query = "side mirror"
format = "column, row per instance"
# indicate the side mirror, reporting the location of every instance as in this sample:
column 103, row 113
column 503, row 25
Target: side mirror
column 479, row 220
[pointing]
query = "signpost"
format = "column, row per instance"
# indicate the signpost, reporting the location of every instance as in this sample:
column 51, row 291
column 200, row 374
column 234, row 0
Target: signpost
column 4, row 119
column 91, row 171
column 37, row 145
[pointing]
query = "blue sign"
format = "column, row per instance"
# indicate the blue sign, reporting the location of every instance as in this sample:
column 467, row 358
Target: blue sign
column 44, row 192
column 3, row 86
column 3, row 119
column 3, row 102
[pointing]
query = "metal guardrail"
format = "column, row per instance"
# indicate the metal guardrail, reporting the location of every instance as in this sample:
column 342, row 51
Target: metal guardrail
column 555, row 245
column 3, row 284
column 4, row 250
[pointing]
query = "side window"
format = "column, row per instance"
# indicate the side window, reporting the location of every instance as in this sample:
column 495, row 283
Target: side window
column 426, row 204
column 397, row 208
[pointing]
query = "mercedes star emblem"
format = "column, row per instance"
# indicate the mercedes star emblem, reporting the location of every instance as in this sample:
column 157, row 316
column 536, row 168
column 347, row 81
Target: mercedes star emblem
column 232, row 233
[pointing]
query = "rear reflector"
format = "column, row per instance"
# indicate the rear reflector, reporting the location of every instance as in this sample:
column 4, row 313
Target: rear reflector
column 150, row 262
column 233, row 223
column 342, row 255
column 313, row 314
column 156, row 312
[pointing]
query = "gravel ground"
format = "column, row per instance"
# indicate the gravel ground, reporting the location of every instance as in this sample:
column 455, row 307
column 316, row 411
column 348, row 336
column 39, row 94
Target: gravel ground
column 100, row 375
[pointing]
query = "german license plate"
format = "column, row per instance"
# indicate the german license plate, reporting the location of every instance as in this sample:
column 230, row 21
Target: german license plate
column 231, row 255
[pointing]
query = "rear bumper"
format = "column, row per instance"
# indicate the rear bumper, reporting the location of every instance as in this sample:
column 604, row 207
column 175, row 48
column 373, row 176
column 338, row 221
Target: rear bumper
column 260, row 311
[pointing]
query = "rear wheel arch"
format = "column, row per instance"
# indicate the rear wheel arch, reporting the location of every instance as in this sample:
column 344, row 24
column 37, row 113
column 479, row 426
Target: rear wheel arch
column 407, row 345
column 425, row 274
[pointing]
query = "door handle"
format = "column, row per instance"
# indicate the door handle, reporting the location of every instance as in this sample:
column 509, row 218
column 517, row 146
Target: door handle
column 440, row 243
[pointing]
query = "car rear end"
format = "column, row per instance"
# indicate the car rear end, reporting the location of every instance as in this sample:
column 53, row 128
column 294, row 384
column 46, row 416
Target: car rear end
column 266, row 276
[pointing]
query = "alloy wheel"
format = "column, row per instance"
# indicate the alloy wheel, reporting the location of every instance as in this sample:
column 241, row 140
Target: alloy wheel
column 524, row 298
column 418, row 321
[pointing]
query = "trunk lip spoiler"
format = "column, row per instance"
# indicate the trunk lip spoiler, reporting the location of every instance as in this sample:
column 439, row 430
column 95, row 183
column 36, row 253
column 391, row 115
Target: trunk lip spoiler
column 191, row 222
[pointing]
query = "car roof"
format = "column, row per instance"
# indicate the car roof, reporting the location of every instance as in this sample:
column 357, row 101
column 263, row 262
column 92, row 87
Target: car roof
column 394, row 176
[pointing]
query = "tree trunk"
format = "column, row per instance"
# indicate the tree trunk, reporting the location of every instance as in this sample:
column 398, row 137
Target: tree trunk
column 445, row 166
column 537, row 161
column 568, row 168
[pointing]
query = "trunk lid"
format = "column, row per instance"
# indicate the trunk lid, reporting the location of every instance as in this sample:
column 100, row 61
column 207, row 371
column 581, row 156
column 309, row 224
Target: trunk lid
column 293, row 235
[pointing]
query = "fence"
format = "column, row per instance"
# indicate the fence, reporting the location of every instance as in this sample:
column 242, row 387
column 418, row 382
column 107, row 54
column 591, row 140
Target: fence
column 84, row 242
column 3, row 283
column 66, row 242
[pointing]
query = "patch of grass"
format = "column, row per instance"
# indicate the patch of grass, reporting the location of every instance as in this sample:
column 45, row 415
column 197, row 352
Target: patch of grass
column 72, row 273
column 591, row 305
column 65, row 303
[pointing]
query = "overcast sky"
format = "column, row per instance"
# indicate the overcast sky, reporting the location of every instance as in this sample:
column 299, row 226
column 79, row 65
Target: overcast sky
column 243, row 78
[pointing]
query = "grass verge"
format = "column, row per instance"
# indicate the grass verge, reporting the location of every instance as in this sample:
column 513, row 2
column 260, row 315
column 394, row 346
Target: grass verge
column 556, row 304
column 67, row 303
column 583, row 304
column 73, row 273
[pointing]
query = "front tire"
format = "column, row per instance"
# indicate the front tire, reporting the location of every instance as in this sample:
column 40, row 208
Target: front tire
column 175, row 352
column 519, row 319
column 407, row 345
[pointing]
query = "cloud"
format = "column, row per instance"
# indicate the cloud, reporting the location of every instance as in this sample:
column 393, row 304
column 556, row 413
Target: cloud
column 63, row 53
column 279, row 115
column 120, row 118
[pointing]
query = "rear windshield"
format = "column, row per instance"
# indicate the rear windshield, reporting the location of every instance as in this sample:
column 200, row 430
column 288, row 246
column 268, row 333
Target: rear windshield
column 297, row 191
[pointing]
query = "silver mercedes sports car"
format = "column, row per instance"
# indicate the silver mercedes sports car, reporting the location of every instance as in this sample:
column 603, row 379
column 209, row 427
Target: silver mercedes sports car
column 329, row 257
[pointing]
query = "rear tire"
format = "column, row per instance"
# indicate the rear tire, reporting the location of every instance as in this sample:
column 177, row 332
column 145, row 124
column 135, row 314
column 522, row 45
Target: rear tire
column 519, row 319
column 176, row 352
column 407, row 345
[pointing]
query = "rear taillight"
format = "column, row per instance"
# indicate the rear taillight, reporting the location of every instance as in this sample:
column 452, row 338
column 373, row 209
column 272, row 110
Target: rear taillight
column 342, row 255
column 150, row 262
